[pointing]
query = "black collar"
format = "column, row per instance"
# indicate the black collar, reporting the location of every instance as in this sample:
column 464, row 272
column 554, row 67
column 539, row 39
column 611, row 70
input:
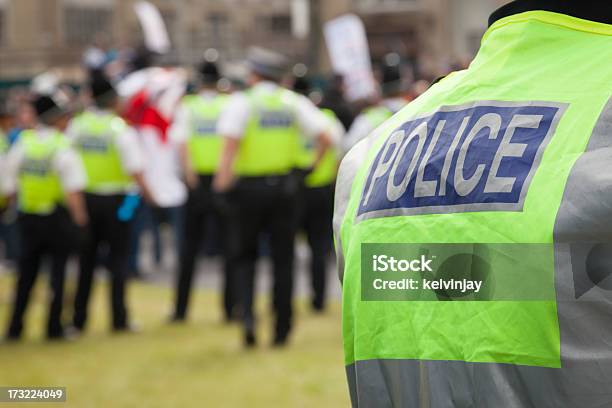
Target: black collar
column 594, row 10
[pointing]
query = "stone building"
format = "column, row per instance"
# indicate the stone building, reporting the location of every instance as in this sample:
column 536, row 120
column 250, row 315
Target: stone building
column 431, row 34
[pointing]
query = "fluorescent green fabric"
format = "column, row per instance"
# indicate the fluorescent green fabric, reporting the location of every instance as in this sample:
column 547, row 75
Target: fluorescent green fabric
column 39, row 189
column 95, row 143
column 204, row 144
column 523, row 333
column 325, row 172
column 268, row 146
column 376, row 115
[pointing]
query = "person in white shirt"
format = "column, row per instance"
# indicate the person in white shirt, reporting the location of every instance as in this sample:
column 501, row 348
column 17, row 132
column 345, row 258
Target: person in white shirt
column 151, row 97
column 114, row 165
column 194, row 130
column 46, row 178
column 381, row 109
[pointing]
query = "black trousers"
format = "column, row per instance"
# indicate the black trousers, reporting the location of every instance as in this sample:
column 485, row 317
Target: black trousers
column 203, row 213
column 265, row 204
column 316, row 213
column 42, row 236
column 104, row 228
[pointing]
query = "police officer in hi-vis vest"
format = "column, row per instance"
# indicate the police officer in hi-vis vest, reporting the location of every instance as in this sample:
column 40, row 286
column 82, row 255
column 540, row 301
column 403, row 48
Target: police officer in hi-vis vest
column 114, row 163
column 473, row 227
column 195, row 131
column 382, row 108
column 260, row 128
column 46, row 177
column 316, row 199
column 4, row 147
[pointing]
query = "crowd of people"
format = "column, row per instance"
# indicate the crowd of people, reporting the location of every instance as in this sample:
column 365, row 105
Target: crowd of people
column 254, row 165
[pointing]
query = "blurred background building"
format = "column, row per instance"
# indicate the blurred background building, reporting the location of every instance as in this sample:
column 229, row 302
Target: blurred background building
column 430, row 34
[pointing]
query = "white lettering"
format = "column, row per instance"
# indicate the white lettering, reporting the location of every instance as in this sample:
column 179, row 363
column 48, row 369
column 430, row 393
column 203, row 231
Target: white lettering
column 466, row 186
column 396, row 191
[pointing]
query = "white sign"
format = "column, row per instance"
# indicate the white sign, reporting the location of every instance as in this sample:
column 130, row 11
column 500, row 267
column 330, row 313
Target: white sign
column 155, row 33
column 350, row 56
column 300, row 18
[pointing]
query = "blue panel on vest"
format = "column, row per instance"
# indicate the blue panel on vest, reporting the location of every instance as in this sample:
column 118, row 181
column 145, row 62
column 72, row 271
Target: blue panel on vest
column 94, row 144
column 480, row 158
column 206, row 127
column 275, row 119
column 36, row 167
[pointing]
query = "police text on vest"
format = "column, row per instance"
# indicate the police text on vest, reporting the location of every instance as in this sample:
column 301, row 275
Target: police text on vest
column 476, row 158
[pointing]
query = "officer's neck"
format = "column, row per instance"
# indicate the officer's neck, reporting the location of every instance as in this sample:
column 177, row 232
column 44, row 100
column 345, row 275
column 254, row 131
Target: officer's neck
column 594, row 10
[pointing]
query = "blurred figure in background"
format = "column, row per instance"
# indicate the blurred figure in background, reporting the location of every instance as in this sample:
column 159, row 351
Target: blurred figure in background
column 98, row 55
column 47, row 177
column 25, row 118
column 374, row 115
column 316, row 198
column 195, row 131
column 333, row 99
column 152, row 95
column 4, row 237
column 113, row 162
column 261, row 128
column 419, row 87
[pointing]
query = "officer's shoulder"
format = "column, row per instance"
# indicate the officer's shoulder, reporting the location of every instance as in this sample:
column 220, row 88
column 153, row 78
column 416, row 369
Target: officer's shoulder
column 239, row 100
column 292, row 96
column 350, row 164
column 189, row 99
column 118, row 124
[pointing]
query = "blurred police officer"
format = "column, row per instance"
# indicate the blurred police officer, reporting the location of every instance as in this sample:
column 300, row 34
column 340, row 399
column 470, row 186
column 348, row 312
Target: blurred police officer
column 4, row 146
column 4, row 230
column 113, row 161
column 195, row 131
column 47, row 177
column 261, row 128
column 316, row 199
column 392, row 87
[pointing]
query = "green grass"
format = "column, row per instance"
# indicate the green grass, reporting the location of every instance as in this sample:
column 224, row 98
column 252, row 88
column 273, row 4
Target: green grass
column 201, row 364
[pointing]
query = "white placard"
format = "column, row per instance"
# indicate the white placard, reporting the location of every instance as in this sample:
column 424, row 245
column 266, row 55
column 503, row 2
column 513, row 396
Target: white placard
column 350, row 55
column 155, row 33
column 300, row 18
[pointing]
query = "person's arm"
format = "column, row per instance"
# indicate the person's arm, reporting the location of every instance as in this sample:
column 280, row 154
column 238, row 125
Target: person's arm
column 231, row 126
column 143, row 186
column 8, row 181
column 76, row 207
column 224, row 178
column 313, row 124
column 73, row 180
column 179, row 134
column 133, row 161
column 323, row 144
column 191, row 178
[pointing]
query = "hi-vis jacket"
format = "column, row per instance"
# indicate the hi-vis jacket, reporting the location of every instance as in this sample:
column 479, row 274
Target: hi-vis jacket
column 500, row 175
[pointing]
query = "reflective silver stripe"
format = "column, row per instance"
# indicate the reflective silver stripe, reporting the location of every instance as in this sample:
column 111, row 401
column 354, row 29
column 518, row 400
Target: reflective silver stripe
column 584, row 304
column 457, row 384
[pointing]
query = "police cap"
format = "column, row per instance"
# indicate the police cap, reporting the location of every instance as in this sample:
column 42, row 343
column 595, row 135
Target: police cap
column 267, row 63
